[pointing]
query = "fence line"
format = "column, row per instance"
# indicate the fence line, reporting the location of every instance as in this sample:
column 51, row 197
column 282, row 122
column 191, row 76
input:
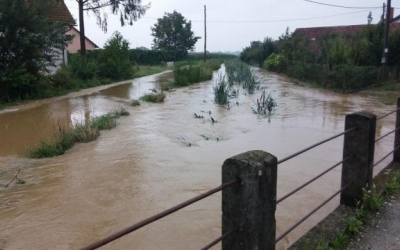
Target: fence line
column 313, row 146
column 391, row 112
column 219, row 239
column 309, row 214
column 386, row 156
column 158, row 216
column 364, row 122
column 312, row 180
column 383, row 136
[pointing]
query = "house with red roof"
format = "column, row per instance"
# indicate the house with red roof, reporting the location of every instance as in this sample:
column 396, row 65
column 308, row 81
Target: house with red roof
column 315, row 34
column 60, row 14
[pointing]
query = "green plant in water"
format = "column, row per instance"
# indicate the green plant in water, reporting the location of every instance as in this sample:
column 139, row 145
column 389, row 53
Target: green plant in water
column 265, row 105
column 65, row 140
column 153, row 97
column 120, row 112
column 85, row 132
column 104, row 122
column 222, row 91
column 135, row 102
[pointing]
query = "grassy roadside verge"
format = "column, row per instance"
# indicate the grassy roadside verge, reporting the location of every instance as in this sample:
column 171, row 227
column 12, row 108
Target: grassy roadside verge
column 80, row 133
column 370, row 205
column 345, row 224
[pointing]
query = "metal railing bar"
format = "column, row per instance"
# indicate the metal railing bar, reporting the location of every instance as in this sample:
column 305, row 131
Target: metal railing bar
column 158, row 216
column 216, row 241
column 391, row 112
column 313, row 146
column 309, row 214
column 312, row 180
column 383, row 136
column 386, row 156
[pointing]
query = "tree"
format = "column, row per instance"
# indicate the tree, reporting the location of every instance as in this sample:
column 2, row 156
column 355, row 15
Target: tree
column 114, row 59
column 28, row 44
column 128, row 10
column 173, row 33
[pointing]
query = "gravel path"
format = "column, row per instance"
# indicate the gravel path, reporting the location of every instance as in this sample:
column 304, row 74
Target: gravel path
column 383, row 231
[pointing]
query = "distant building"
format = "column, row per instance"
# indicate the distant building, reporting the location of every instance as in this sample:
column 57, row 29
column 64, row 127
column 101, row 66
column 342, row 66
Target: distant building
column 396, row 19
column 74, row 44
column 59, row 13
column 315, row 34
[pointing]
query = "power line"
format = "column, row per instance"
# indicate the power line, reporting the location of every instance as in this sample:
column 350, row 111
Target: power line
column 341, row 6
column 273, row 21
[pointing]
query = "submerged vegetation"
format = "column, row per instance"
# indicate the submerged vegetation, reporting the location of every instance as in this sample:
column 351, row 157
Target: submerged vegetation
column 222, row 91
column 153, row 97
column 265, row 105
column 82, row 132
column 240, row 74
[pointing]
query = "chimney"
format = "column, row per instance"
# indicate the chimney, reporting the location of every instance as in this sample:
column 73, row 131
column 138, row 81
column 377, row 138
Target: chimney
column 391, row 14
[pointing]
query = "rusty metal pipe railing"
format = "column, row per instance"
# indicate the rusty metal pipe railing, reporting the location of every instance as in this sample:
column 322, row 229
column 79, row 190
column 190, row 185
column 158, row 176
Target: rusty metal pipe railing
column 314, row 145
column 386, row 156
column 309, row 214
column 391, row 112
column 158, row 216
column 219, row 239
column 310, row 181
column 383, row 136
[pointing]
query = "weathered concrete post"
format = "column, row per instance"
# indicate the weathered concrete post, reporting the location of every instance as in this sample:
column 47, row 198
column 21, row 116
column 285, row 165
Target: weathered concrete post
column 396, row 153
column 250, row 205
column 360, row 144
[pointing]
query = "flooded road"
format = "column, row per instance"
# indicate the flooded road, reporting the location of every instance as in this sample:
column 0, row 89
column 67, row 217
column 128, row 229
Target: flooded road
column 145, row 165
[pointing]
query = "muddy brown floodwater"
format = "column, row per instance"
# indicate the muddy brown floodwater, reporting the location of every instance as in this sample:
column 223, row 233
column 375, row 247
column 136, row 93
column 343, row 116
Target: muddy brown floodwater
column 145, row 165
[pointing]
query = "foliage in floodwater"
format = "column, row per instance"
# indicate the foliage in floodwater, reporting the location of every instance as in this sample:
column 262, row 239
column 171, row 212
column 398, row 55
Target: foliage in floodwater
column 135, row 103
column 240, row 74
column 222, row 91
column 265, row 105
column 82, row 132
column 153, row 97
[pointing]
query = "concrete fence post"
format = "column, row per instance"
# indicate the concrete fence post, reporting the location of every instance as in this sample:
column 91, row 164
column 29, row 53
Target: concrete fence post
column 396, row 153
column 250, row 205
column 360, row 144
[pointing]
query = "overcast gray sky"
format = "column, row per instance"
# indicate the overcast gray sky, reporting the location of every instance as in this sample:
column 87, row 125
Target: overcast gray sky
column 232, row 24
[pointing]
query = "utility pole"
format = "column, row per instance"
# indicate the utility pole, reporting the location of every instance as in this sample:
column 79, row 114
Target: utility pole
column 205, row 34
column 385, row 72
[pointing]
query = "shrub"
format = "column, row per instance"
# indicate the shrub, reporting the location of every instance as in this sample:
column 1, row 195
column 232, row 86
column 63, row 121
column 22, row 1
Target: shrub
column 84, row 68
column 114, row 60
column 275, row 62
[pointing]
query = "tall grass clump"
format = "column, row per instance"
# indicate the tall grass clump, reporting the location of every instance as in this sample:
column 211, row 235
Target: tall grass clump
column 64, row 141
column 153, row 97
column 81, row 132
column 85, row 132
column 222, row 91
column 265, row 105
column 104, row 122
column 240, row 74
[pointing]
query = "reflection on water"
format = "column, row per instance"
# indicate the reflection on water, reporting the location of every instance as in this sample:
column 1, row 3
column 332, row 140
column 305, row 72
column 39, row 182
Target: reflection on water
column 145, row 165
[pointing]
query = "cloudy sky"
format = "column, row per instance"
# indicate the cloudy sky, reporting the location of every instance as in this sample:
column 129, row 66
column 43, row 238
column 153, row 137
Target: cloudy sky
column 232, row 24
